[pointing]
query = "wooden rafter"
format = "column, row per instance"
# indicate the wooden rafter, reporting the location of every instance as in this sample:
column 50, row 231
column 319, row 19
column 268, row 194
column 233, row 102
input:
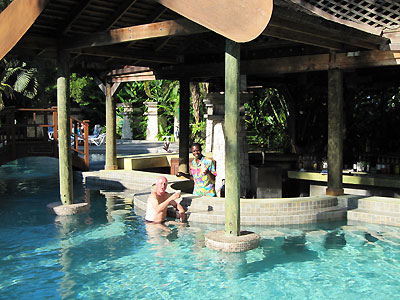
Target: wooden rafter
column 302, row 37
column 312, row 27
column 122, row 8
column 161, row 43
column 26, row 13
column 128, row 70
column 155, row 15
column 127, row 54
column 369, row 15
column 328, row 16
column 288, row 26
column 140, row 32
column 73, row 16
column 134, row 77
column 286, row 65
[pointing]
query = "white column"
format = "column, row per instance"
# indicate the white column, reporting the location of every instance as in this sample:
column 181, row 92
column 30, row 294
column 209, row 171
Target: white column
column 152, row 121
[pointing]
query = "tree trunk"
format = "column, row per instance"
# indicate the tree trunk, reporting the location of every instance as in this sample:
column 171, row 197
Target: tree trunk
column 195, row 91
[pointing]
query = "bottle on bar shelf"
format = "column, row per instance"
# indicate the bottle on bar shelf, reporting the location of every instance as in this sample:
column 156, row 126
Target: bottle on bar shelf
column 378, row 165
column 383, row 165
column 300, row 163
column 396, row 166
column 315, row 163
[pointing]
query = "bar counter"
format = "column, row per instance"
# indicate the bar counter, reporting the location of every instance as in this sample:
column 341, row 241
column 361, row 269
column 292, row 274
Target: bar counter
column 354, row 178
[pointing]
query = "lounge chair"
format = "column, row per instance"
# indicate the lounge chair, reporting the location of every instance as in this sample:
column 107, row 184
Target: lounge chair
column 99, row 140
column 96, row 132
column 50, row 132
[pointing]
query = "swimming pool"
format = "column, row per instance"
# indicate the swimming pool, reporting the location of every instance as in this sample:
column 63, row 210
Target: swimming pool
column 108, row 254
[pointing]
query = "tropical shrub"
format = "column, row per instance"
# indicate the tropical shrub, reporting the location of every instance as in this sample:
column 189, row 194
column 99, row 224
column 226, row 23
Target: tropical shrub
column 266, row 121
column 17, row 78
column 133, row 93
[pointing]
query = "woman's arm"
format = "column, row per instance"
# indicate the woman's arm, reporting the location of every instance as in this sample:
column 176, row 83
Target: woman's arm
column 186, row 175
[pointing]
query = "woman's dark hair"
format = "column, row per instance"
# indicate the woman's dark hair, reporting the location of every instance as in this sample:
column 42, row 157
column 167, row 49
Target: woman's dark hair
column 196, row 145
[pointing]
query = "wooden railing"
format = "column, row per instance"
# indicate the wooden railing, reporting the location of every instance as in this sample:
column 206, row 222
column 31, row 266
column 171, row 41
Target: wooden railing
column 22, row 125
column 78, row 136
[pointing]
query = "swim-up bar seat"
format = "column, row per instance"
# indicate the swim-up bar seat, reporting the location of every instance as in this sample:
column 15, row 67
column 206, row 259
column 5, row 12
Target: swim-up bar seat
column 282, row 211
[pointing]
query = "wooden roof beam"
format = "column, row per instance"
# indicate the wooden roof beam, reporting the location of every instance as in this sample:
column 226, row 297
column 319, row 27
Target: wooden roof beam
column 325, row 15
column 156, row 14
column 124, row 53
column 132, row 33
column 122, row 9
column 134, row 77
column 128, row 70
column 286, row 65
column 326, row 29
column 30, row 10
column 161, row 43
column 75, row 13
column 301, row 37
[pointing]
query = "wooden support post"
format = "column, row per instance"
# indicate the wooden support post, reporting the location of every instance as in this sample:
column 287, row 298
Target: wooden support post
column 184, row 103
column 55, row 131
column 111, row 130
column 86, row 142
column 335, row 132
column 232, row 163
column 55, row 124
column 64, row 139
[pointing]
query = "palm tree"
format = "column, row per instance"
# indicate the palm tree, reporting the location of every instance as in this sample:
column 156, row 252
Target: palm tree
column 17, row 77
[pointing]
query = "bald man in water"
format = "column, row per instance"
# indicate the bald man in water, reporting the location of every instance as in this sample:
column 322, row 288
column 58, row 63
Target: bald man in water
column 158, row 201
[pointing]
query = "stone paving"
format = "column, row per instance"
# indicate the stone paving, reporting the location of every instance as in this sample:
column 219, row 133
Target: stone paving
column 126, row 147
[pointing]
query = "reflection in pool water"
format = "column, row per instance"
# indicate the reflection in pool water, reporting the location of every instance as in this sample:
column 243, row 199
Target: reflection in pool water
column 108, row 253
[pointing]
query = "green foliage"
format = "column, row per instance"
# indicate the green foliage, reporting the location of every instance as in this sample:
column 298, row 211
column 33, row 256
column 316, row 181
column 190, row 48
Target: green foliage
column 371, row 118
column 85, row 94
column 17, row 77
column 78, row 88
column 163, row 131
column 133, row 93
column 199, row 133
column 266, row 121
column 166, row 94
column 198, row 129
column 4, row 4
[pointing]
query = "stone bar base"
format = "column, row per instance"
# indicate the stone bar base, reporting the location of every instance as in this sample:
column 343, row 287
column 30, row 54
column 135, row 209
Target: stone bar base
column 111, row 167
column 218, row 240
column 377, row 210
column 65, row 210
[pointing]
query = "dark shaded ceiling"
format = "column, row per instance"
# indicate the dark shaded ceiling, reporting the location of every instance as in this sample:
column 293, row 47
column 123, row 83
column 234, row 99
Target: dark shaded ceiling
column 297, row 29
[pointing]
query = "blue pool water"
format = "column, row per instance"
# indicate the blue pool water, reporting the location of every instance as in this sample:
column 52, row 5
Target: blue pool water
column 108, row 254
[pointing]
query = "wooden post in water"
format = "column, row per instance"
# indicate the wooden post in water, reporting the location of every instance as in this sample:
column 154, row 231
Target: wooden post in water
column 86, row 142
column 184, row 103
column 64, row 137
column 111, row 130
column 335, row 132
column 232, row 163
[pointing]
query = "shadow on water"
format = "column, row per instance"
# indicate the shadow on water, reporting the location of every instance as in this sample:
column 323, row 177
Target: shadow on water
column 280, row 252
column 270, row 254
column 335, row 240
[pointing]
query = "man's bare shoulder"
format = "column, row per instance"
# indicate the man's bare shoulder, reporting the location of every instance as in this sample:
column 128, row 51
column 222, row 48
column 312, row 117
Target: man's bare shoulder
column 152, row 197
column 158, row 198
